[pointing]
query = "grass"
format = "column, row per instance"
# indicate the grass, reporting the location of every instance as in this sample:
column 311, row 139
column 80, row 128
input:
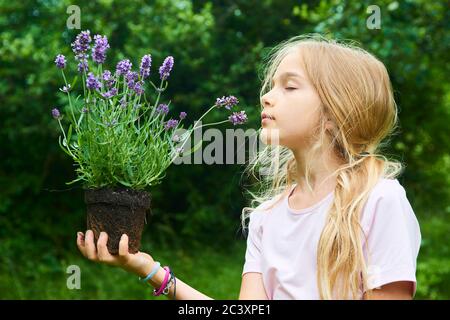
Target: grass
column 214, row 273
column 36, row 269
column 433, row 266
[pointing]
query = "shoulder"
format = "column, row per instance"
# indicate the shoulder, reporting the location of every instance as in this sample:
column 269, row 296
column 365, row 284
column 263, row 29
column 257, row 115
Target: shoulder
column 387, row 192
column 387, row 188
column 258, row 215
column 387, row 204
column 260, row 211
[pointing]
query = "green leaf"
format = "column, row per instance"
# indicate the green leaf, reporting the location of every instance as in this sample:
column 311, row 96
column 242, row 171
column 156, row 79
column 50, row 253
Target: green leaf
column 98, row 94
column 69, row 134
column 73, row 181
column 193, row 149
column 79, row 120
column 62, row 147
column 74, row 82
column 130, row 172
column 122, row 182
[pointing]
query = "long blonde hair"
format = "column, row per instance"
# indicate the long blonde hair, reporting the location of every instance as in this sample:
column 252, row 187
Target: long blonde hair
column 356, row 94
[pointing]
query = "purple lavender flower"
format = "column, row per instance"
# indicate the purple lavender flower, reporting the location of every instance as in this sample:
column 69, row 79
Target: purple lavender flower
column 109, row 94
column 227, row 102
column 123, row 67
column 146, row 63
column 112, row 123
column 65, row 88
column 162, row 108
column 106, row 75
column 176, row 138
column 80, row 47
column 99, row 49
column 83, row 66
column 108, row 78
column 221, row 101
column 172, row 123
column 131, row 77
column 179, row 151
column 56, row 114
column 238, row 118
column 138, row 88
column 81, row 44
column 231, row 102
column 123, row 102
column 164, row 70
column 183, row 115
column 92, row 82
column 60, row 61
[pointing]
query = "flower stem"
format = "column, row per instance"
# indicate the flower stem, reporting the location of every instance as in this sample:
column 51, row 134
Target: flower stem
column 195, row 127
column 65, row 138
column 213, row 123
column 204, row 115
column 70, row 101
column 157, row 98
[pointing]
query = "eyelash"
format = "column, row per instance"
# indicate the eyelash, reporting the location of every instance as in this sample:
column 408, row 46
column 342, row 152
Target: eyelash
column 288, row 88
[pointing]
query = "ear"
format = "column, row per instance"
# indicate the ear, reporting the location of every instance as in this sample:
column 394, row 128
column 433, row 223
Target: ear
column 329, row 125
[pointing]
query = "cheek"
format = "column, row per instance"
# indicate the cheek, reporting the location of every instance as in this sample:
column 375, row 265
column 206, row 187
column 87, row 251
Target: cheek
column 301, row 120
column 303, row 113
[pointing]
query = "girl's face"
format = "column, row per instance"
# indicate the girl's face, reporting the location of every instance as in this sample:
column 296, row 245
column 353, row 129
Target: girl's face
column 292, row 103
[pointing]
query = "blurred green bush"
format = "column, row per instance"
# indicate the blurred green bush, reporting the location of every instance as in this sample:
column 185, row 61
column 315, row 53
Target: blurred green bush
column 218, row 49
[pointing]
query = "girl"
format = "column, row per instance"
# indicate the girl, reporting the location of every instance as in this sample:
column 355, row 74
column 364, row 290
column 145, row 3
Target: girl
column 331, row 219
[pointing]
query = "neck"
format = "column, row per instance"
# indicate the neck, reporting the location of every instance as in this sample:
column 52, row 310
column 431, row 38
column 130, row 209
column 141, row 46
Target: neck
column 321, row 172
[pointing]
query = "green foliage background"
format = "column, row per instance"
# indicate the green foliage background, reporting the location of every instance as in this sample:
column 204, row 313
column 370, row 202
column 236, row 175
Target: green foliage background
column 218, row 48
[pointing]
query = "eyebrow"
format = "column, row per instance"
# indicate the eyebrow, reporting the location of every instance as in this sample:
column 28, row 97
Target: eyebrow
column 289, row 75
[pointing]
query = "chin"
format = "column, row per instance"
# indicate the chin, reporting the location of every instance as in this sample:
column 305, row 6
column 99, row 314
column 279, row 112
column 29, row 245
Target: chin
column 270, row 136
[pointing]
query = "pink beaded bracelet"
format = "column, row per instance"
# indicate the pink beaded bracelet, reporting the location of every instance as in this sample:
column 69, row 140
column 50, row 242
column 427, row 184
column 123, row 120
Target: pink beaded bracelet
column 157, row 292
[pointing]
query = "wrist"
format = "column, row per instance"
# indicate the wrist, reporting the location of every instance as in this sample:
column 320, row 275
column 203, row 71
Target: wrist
column 142, row 267
column 143, row 271
column 157, row 280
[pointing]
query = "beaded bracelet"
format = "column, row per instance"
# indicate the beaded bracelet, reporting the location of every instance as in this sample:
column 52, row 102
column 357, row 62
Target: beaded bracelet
column 152, row 273
column 169, row 284
column 157, row 292
column 172, row 281
column 175, row 288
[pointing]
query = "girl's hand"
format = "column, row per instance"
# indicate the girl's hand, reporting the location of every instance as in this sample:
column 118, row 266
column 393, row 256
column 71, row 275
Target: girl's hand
column 139, row 263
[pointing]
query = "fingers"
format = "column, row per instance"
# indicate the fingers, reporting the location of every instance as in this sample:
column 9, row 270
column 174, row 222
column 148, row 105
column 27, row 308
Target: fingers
column 80, row 243
column 91, row 252
column 123, row 248
column 102, row 250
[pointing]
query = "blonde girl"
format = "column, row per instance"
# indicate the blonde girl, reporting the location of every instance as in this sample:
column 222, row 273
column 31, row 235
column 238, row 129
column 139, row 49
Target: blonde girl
column 329, row 219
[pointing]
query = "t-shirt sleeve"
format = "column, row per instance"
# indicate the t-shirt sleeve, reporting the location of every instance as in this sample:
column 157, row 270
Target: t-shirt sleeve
column 254, row 247
column 393, row 237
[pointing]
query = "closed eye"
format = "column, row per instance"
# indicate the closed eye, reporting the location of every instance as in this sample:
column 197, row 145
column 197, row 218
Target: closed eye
column 290, row 88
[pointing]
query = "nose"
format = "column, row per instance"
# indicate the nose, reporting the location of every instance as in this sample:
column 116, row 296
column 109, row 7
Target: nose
column 266, row 100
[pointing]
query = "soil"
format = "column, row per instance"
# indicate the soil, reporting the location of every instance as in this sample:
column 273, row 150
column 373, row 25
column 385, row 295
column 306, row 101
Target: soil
column 117, row 211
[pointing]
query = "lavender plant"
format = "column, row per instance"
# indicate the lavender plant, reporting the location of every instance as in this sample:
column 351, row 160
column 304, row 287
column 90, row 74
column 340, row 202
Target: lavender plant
column 115, row 135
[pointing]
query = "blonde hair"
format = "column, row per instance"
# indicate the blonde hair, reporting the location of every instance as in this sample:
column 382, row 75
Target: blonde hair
column 357, row 96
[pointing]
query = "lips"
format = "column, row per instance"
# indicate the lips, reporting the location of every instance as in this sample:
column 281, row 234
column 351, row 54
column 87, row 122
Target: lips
column 266, row 116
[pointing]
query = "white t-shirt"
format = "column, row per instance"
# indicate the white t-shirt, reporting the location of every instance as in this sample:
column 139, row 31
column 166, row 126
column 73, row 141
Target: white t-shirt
column 282, row 242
